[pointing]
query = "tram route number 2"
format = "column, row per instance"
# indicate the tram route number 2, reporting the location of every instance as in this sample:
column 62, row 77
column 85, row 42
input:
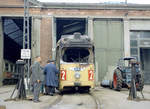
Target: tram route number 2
column 91, row 75
column 63, row 75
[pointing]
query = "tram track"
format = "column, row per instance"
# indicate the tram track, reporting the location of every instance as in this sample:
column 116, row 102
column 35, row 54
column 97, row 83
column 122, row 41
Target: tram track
column 96, row 100
column 75, row 101
column 55, row 102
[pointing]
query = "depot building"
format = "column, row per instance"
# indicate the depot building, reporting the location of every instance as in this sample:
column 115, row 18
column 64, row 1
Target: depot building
column 117, row 30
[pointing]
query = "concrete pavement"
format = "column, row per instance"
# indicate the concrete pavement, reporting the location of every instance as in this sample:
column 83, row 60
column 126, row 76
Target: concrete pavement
column 109, row 99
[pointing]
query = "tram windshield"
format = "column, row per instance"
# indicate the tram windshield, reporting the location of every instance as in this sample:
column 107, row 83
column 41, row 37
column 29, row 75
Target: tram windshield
column 76, row 54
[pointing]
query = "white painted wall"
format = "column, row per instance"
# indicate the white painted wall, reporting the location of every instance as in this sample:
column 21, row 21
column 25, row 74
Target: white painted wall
column 126, row 38
column 53, row 38
column 90, row 28
column 139, row 25
column 36, row 26
column 1, row 52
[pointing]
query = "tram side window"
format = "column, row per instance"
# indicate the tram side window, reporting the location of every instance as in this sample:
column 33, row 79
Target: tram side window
column 15, row 69
column 11, row 68
column 6, row 67
column 76, row 55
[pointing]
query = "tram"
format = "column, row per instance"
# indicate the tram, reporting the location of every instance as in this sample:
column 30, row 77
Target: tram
column 75, row 61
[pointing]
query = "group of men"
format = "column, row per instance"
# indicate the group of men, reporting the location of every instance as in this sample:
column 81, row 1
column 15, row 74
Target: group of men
column 43, row 76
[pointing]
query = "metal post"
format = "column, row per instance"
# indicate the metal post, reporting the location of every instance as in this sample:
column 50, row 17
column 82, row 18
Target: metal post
column 26, row 25
column 133, row 93
column 26, row 39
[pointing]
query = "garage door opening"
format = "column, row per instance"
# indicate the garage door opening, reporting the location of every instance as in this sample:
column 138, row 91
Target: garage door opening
column 13, row 43
column 145, row 63
column 68, row 26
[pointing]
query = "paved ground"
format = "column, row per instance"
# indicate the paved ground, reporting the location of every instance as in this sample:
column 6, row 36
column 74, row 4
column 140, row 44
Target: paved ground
column 109, row 99
column 6, row 91
column 75, row 101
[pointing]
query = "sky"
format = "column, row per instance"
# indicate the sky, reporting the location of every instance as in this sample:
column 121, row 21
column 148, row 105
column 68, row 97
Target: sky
column 98, row 1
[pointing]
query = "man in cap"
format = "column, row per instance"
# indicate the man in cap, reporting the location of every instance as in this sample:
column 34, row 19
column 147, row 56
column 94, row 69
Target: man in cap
column 36, row 78
column 51, row 77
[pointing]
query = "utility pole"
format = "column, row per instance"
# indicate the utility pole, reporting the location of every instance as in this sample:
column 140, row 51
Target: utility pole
column 26, row 37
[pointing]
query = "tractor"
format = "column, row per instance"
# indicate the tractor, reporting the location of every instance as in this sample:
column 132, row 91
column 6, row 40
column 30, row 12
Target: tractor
column 123, row 74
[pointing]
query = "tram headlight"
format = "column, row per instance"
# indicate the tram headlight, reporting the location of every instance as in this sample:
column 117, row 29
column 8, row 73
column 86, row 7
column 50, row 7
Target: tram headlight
column 77, row 75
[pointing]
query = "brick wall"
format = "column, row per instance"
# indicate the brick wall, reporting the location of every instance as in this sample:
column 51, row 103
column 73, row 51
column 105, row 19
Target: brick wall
column 11, row 2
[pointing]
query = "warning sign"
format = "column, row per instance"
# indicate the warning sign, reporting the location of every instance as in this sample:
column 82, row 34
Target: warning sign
column 25, row 53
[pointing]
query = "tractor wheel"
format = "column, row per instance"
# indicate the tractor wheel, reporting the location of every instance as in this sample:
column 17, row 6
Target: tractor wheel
column 140, row 85
column 117, row 80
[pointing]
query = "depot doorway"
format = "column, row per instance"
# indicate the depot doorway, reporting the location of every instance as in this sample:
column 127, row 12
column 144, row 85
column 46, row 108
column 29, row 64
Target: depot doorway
column 13, row 43
column 68, row 26
column 145, row 63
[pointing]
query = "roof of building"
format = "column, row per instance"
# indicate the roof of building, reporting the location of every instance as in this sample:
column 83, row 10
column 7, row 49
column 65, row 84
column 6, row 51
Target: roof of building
column 96, row 6
column 64, row 5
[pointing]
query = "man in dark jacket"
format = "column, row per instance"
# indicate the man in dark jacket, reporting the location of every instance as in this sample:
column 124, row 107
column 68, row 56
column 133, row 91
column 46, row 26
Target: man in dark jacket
column 36, row 78
column 51, row 77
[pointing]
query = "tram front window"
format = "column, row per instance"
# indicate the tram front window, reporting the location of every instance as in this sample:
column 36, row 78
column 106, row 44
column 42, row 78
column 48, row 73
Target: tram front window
column 81, row 55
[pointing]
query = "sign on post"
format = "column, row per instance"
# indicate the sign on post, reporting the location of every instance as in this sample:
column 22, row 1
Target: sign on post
column 25, row 53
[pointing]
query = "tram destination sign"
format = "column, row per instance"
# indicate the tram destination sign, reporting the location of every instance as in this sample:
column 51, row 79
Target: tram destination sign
column 25, row 53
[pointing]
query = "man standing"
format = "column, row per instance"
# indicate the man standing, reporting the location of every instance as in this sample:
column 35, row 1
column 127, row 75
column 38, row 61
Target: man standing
column 51, row 77
column 36, row 78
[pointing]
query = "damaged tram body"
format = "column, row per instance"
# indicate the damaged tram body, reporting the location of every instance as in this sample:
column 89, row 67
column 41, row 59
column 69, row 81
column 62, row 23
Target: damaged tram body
column 75, row 60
